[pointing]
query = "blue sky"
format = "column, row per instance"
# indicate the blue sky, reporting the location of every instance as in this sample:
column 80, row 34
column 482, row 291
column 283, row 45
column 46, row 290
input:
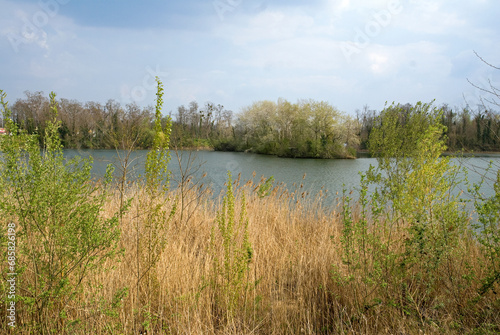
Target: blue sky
column 350, row 53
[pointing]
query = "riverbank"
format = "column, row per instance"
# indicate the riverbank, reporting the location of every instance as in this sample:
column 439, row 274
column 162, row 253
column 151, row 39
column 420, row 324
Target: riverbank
column 366, row 154
column 298, row 279
column 195, row 148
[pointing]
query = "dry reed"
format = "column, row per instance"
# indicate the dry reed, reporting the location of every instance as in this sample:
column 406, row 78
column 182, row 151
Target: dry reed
column 290, row 287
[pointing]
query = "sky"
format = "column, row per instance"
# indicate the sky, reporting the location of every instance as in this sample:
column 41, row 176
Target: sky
column 350, row 53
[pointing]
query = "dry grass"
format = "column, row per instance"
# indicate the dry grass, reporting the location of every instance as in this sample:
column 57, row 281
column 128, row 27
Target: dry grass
column 290, row 284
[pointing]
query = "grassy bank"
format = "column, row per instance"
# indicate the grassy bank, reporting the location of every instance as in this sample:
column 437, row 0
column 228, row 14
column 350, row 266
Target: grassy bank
column 291, row 286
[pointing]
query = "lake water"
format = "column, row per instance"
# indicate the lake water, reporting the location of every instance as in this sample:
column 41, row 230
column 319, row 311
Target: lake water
column 329, row 174
column 314, row 174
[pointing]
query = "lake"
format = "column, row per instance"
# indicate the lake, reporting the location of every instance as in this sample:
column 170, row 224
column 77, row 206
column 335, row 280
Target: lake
column 314, row 174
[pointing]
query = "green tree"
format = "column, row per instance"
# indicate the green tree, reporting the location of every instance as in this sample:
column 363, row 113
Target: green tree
column 305, row 129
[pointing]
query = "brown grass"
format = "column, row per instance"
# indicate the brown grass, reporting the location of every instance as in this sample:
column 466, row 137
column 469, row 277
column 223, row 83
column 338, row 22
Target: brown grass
column 291, row 289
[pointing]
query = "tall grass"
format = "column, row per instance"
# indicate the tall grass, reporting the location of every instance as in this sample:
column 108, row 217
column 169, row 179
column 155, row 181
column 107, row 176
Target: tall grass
column 290, row 287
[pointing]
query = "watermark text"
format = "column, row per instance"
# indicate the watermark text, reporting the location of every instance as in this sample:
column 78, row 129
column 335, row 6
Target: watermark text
column 11, row 275
column 32, row 29
column 372, row 28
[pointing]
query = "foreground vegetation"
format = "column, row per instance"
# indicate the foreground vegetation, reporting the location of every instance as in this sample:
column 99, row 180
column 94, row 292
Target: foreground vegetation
column 124, row 258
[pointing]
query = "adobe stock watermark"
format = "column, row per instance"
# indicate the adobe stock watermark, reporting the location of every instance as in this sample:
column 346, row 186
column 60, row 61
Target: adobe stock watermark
column 373, row 28
column 11, row 275
column 32, row 30
column 139, row 93
column 224, row 6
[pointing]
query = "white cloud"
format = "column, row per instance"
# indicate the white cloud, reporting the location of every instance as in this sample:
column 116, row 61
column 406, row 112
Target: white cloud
column 432, row 17
column 265, row 26
column 378, row 63
column 287, row 51
column 339, row 7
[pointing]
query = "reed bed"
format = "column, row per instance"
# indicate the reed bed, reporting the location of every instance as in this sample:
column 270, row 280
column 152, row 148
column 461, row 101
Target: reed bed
column 289, row 286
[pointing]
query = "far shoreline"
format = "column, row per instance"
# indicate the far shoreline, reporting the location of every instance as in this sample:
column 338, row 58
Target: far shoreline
column 478, row 154
column 359, row 154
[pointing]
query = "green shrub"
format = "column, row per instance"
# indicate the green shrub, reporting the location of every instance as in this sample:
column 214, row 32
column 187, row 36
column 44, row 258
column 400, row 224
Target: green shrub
column 487, row 232
column 396, row 244
column 152, row 218
column 231, row 253
column 62, row 235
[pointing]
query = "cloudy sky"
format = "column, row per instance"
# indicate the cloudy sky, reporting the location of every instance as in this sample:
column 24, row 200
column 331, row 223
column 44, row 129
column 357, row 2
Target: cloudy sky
column 350, row 53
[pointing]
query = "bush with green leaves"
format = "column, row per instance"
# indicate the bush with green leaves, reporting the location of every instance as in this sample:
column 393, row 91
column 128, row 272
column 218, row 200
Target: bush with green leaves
column 487, row 229
column 410, row 218
column 62, row 234
column 152, row 217
column 231, row 254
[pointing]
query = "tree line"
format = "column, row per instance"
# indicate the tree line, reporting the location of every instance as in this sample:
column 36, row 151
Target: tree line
column 465, row 129
column 93, row 125
column 306, row 128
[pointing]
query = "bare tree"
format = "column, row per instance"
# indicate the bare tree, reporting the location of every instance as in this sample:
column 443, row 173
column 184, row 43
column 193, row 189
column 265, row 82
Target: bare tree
column 492, row 93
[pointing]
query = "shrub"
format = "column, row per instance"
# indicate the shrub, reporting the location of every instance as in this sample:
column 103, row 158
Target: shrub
column 231, row 254
column 395, row 247
column 62, row 236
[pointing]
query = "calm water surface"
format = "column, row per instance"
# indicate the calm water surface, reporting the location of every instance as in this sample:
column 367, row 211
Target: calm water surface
column 328, row 174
